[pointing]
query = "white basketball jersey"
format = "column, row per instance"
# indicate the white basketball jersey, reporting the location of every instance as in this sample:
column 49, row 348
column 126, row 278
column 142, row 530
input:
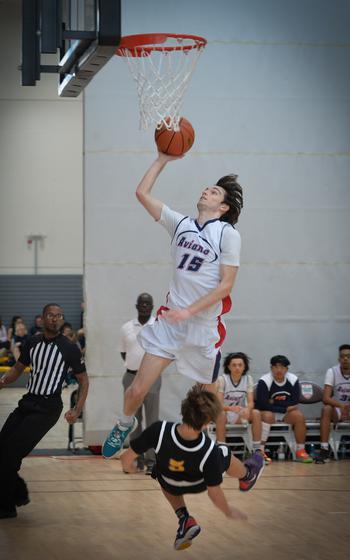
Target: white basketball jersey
column 236, row 395
column 340, row 384
column 197, row 252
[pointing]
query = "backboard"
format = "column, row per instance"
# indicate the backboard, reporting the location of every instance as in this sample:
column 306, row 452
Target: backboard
column 83, row 34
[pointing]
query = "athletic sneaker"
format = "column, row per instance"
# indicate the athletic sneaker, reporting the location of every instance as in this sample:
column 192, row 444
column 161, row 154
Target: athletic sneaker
column 303, row 457
column 7, row 513
column 24, row 501
column 115, row 440
column 255, row 466
column 267, row 459
column 324, row 455
column 187, row 531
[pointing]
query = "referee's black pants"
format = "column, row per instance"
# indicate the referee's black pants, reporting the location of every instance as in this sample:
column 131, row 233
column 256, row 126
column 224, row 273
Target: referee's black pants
column 24, row 428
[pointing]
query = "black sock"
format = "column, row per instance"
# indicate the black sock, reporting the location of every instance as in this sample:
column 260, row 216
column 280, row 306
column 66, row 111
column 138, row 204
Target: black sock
column 182, row 512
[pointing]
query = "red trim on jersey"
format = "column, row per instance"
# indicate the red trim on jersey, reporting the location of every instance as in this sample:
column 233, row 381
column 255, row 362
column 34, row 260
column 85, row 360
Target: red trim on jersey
column 226, row 307
column 221, row 333
column 160, row 310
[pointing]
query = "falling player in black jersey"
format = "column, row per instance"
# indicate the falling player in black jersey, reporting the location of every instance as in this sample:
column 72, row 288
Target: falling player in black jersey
column 188, row 461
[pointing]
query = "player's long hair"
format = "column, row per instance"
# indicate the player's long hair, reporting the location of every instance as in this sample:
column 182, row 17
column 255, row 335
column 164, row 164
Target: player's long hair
column 236, row 355
column 199, row 408
column 233, row 197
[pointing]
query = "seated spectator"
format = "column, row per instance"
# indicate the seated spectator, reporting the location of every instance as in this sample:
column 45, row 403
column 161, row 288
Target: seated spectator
column 68, row 331
column 4, row 341
column 37, row 326
column 236, row 394
column 11, row 331
column 19, row 338
column 336, row 397
column 277, row 398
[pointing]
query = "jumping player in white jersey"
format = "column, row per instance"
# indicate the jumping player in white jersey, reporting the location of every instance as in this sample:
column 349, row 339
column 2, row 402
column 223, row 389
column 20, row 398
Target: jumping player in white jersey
column 189, row 329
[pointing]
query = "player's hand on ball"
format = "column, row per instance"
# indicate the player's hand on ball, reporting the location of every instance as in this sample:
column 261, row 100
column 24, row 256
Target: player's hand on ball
column 176, row 315
column 237, row 514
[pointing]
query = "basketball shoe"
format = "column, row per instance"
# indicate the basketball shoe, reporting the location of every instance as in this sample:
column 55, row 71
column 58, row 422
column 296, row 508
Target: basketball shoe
column 115, row 439
column 255, row 466
column 266, row 458
column 324, row 455
column 303, row 457
column 187, row 531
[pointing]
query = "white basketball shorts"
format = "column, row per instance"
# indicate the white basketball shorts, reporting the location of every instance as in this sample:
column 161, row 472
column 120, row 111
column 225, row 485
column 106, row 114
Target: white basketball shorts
column 191, row 344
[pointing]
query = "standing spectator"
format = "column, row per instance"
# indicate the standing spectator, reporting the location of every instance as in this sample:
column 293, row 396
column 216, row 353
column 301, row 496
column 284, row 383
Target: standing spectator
column 236, row 394
column 37, row 326
column 49, row 354
column 4, row 341
column 132, row 354
column 277, row 398
column 336, row 397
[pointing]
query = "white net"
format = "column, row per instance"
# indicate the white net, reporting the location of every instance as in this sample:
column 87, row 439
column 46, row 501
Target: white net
column 162, row 74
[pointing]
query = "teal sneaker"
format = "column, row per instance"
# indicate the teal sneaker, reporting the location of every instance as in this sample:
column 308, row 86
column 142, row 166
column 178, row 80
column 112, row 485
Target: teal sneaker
column 115, row 440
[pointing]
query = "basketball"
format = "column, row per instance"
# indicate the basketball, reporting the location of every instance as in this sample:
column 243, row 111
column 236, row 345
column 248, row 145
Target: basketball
column 175, row 142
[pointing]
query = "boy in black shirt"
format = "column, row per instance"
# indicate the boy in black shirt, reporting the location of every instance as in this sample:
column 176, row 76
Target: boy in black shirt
column 188, row 461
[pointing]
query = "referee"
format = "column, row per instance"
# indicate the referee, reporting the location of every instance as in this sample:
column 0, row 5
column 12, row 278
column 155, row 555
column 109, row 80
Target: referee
column 49, row 355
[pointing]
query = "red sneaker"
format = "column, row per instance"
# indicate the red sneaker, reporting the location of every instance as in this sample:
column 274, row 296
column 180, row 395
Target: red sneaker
column 187, row 531
column 303, row 457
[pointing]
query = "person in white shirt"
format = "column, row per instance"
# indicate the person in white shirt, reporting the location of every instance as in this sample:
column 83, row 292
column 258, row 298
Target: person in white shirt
column 132, row 354
column 189, row 328
column 336, row 397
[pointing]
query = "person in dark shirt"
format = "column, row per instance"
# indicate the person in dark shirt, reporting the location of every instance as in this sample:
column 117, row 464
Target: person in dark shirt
column 49, row 355
column 188, row 461
column 277, row 397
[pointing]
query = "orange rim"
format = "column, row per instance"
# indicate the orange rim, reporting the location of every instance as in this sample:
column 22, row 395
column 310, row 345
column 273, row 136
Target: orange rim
column 140, row 45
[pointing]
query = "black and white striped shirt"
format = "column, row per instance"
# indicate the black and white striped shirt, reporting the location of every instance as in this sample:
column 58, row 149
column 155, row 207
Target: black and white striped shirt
column 50, row 360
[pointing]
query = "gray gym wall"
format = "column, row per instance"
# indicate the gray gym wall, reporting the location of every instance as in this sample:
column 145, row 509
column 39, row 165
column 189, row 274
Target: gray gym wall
column 269, row 100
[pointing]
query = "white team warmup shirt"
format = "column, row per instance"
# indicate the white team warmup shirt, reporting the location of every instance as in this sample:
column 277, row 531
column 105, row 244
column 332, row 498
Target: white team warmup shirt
column 197, row 253
column 340, row 385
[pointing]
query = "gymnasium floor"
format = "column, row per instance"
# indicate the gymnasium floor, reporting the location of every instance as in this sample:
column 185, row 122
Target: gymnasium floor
column 85, row 507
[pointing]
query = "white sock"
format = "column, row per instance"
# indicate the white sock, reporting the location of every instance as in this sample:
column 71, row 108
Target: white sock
column 324, row 445
column 256, row 445
column 300, row 446
column 126, row 420
column 265, row 430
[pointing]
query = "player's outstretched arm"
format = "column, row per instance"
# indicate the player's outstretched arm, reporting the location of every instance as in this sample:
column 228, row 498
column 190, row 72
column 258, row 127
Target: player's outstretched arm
column 144, row 188
column 218, row 498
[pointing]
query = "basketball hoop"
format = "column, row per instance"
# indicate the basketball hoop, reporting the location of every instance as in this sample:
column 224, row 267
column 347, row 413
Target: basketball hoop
column 162, row 65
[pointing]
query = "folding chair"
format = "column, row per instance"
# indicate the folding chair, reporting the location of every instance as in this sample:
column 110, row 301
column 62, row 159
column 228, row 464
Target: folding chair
column 238, row 438
column 72, row 437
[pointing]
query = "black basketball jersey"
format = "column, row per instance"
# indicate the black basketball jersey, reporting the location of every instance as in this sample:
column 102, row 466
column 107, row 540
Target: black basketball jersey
column 183, row 466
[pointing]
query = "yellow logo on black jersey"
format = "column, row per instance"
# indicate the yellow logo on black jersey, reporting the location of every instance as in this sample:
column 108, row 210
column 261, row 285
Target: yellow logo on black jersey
column 176, row 466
